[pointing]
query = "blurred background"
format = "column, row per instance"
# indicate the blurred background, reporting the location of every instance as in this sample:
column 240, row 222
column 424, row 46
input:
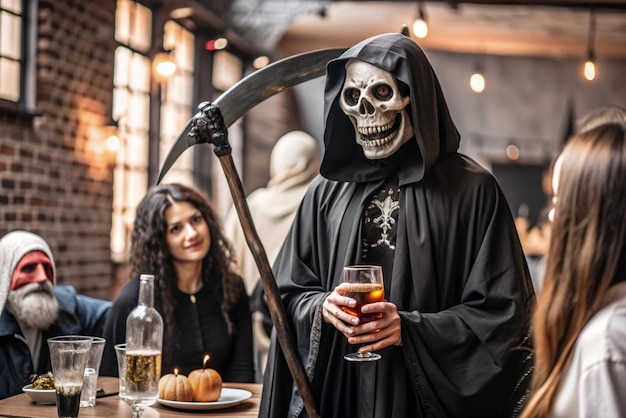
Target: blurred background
column 93, row 94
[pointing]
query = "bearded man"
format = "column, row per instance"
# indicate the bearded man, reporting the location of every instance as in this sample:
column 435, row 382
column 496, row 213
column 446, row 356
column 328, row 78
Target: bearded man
column 395, row 192
column 33, row 309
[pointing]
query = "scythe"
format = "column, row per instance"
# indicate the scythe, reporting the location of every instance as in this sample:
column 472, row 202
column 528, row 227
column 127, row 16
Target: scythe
column 210, row 125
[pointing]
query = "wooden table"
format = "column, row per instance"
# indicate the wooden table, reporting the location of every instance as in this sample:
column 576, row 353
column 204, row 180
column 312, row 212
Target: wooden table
column 112, row 406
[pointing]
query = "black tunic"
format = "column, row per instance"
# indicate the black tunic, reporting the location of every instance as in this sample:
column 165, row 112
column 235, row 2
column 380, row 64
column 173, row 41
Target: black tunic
column 459, row 277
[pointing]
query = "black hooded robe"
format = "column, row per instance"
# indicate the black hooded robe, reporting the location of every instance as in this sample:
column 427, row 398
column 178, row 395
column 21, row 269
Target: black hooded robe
column 459, row 279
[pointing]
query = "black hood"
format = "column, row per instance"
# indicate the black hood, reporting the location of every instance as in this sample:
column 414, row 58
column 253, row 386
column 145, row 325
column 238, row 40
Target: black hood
column 435, row 132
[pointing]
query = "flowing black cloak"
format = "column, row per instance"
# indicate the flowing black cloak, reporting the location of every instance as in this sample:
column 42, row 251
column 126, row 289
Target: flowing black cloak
column 459, row 277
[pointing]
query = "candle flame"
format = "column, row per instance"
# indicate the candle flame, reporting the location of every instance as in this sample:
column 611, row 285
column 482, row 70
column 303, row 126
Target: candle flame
column 176, row 372
column 206, row 359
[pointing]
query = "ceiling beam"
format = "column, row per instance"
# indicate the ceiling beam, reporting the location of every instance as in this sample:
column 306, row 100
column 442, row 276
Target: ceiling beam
column 582, row 4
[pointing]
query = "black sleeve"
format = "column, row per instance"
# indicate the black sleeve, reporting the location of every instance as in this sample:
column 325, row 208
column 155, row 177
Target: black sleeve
column 241, row 367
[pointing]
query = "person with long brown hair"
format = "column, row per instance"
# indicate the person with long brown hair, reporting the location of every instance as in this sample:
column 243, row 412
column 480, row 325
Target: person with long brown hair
column 204, row 305
column 579, row 326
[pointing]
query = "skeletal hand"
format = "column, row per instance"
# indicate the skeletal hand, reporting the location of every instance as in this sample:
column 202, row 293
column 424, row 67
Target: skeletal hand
column 208, row 125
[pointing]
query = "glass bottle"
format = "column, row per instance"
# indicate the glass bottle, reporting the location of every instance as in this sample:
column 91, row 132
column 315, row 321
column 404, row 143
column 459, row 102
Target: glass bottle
column 144, row 341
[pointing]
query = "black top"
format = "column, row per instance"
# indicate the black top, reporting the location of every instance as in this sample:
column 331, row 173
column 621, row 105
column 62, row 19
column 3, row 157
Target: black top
column 200, row 329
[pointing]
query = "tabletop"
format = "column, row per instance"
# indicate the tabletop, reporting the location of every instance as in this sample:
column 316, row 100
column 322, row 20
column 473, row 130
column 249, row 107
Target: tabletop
column 112, row 406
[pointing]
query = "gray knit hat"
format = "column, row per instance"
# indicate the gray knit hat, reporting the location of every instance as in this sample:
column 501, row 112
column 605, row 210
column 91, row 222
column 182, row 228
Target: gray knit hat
column 13, row 247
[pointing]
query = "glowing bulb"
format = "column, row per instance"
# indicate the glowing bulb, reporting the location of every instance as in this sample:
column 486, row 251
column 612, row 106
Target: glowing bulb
column 163, row 65
column 221, row 43
column 477, row 83
column 590, row 70
column 420, row 28
column 260, row 62
column 166, row 69
column 113, row 143
column 512, row 152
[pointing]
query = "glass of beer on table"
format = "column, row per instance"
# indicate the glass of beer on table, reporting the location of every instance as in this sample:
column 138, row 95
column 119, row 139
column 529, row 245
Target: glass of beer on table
column 365, row 286
column 68, row 355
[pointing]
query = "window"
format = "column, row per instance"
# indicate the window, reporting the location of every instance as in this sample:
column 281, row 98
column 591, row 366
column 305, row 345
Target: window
column 177, row 100
column 17, row 53
column 131, row 108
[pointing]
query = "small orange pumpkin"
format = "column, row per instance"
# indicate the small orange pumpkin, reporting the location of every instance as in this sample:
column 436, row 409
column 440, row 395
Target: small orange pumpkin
column 206, row 383
column 175, row 387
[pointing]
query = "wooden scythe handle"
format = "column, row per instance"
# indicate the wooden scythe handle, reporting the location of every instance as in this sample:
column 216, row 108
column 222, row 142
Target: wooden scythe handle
column 209, row 125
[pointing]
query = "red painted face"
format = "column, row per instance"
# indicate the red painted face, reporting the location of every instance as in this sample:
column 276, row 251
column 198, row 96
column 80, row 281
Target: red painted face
column 34, row 267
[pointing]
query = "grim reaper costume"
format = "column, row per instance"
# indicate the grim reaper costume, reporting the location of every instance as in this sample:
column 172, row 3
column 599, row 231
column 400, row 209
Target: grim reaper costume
column 441, row 228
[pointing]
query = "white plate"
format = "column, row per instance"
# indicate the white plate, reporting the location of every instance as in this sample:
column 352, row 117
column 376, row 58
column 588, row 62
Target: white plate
column 229, row 397
column 41, row 396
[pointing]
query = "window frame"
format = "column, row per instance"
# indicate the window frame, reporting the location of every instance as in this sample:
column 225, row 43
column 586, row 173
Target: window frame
column 26, row 104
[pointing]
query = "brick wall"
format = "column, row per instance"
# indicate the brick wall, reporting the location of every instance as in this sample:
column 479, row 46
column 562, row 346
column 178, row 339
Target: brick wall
column 55, row 174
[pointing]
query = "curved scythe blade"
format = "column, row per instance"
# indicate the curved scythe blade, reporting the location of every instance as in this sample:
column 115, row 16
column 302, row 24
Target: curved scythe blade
column 255, row 88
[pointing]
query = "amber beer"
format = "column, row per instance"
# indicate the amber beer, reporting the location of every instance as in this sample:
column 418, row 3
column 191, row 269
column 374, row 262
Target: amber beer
column 364, row 293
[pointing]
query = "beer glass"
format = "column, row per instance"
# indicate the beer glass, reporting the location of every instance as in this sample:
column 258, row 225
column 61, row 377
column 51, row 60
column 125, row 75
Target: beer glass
column 68, row 355
column 138, row 374
column 365, row 286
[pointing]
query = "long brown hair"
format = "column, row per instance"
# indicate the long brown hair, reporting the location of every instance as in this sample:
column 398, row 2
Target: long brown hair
column 150, row 254
column 586, row 254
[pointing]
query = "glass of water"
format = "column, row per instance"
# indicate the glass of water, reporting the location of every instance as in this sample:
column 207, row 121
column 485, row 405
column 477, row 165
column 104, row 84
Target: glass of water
column 92, row 369
column 120, row 353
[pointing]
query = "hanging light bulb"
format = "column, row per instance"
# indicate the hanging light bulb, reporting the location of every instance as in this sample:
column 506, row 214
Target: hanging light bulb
column 589, row 69
column 420, row 27
column 477, row 80
column 512, row 152
column 261, row 61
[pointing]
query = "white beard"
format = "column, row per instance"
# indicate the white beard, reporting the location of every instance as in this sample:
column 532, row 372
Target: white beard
column 34, row 305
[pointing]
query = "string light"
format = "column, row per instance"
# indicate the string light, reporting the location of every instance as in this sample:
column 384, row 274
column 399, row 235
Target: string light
column 420, row 27
column 260, row 62
column 589, row 69
column 477, row 80
column 216, row 44
column 512, row 152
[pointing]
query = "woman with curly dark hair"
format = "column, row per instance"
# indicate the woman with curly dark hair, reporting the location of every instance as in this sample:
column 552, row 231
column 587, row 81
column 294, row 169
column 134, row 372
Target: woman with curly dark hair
column 204, row 305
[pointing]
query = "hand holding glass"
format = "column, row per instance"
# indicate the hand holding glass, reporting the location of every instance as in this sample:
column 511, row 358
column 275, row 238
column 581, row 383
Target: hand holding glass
column 365, row 286
column 68, row 355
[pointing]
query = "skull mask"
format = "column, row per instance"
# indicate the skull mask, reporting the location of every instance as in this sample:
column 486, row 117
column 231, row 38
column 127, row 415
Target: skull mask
column 371, row 98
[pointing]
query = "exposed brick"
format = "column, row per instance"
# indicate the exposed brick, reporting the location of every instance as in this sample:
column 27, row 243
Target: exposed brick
column 7, row 150
column 8, row 184
column 50, row 189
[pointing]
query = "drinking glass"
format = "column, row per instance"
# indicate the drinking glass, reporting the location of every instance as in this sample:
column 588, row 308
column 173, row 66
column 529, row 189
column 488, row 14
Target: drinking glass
column 92, row 369
column 68, row 355
column 120, row 353
column 366, row 286
column 139, row 375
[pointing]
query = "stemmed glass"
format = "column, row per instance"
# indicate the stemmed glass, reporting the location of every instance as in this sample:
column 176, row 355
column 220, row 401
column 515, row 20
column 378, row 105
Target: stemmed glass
column 365, row 286
column 139, row 378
